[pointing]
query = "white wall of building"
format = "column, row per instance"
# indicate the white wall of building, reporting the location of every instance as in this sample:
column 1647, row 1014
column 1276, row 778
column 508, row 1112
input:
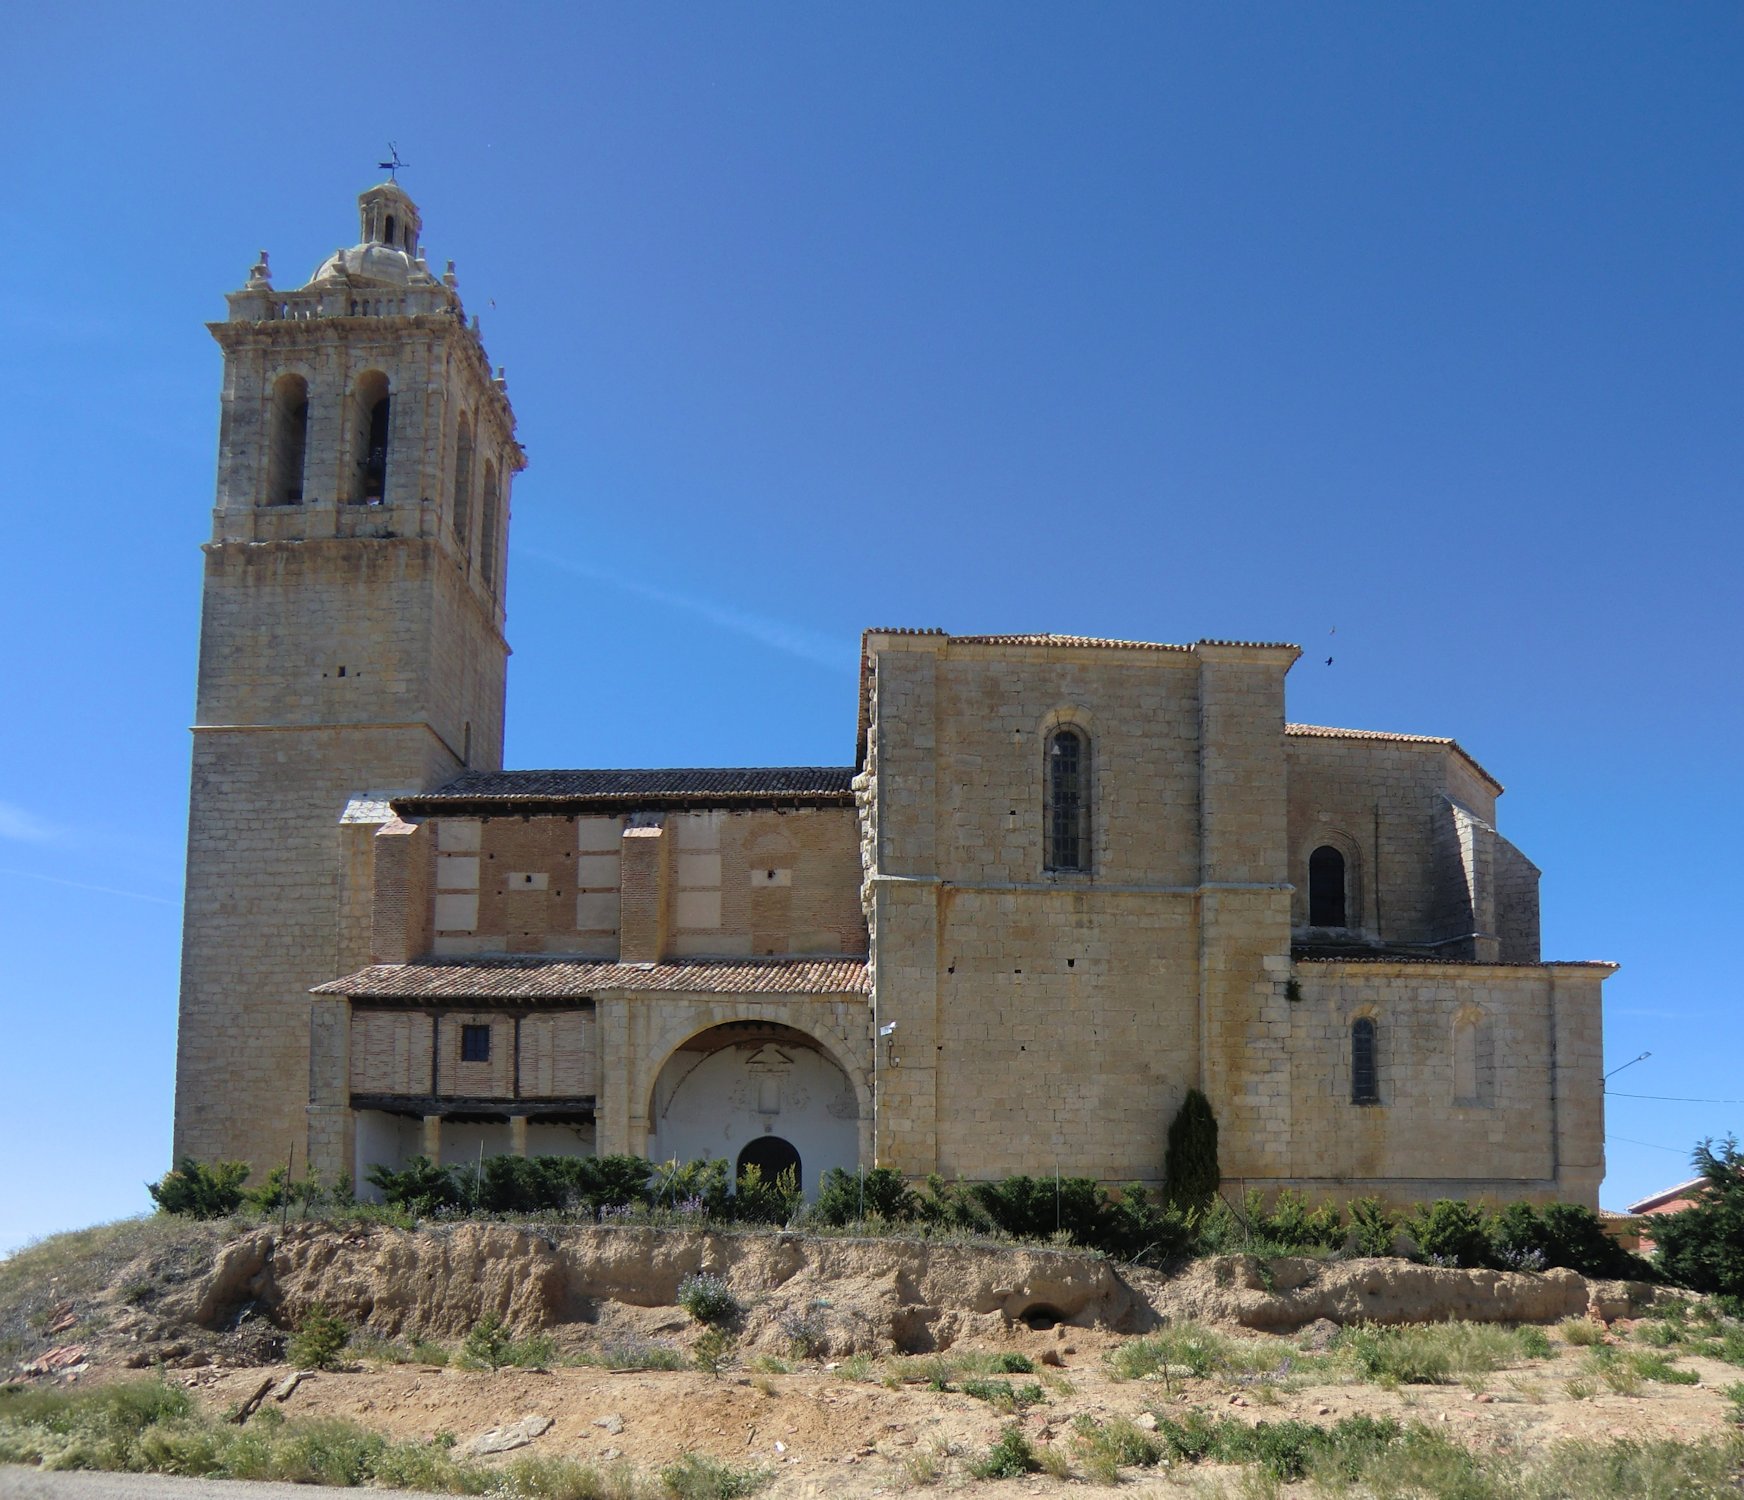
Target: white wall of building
column 713, row 1104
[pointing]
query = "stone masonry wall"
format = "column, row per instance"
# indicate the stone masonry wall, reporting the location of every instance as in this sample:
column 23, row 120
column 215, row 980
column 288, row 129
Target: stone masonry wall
column 1526, row 1125
column 1385, row 804
column 1043, row 1019
column 725, row 884
column 261, row 922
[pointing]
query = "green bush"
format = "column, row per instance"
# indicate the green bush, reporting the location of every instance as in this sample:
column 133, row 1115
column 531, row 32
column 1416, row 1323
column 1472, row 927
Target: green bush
column 1560, row 1234
column 760, row 1200
column 1371, row 1227
column 1010, row 1458
column 488, row 1342
column 713, row 1352
column 420, row 1186
column 200, row 1192
column 702, row 1187
column 1133, row 1228
column 1703, row 1247
column 1450, row 1231
column 612, row 1181
column 849, row 1197
column 698, row 1477
column 708, row 1298
column 319, row 1338
column 1292, row 1226
column 1190, row 1172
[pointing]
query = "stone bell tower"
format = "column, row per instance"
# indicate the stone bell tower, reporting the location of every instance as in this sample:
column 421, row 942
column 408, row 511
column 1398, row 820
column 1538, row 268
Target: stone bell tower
column 351, row 647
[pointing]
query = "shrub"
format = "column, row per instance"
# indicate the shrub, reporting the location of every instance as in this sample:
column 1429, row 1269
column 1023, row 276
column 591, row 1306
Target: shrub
column 1703, row 1247
column 488, row 1342
column 612, row 1181
column 708, row 1298
column 698, row 1477
column 318, row 1340
column 420, row 1187
column 1010, row 1458
column 759, row 1200
column 1371, row 1227
column 200, row 1192
column 1135, row 1229
column 714, row 1350
column 1190, row 1170
column 306, row 1193
column 851, row 1197
column 1450, row 1230
column 697, row 1186
column 1534, row 1341
column 1292, row 1225
column 1560, row 1234
column 806, row 1332
column 524, row 1184
column 1428, row 1354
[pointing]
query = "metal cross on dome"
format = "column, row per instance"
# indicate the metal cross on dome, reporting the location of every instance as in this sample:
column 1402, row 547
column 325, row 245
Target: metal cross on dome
column 393, row 166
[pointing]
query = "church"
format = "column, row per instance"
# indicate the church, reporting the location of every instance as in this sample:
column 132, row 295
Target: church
column 1063, row 881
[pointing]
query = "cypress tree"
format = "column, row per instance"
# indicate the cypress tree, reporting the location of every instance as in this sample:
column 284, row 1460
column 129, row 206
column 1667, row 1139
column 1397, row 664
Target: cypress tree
column 1190, row 1174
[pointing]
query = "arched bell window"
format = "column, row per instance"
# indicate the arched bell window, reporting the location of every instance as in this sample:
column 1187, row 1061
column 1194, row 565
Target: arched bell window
column 288, row 440
column 371, row 409
column 1327, row 903
column 1066, row 775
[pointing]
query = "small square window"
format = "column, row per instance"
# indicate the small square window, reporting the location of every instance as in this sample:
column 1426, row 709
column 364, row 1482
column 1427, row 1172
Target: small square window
column 475, row 1044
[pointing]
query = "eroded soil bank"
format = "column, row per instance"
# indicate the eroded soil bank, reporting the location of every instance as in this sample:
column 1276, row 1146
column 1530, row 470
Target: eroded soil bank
column 884, row 1401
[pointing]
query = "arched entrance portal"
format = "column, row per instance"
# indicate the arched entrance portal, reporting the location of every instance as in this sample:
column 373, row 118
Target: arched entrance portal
column 771, row 1156
column 755, row 1091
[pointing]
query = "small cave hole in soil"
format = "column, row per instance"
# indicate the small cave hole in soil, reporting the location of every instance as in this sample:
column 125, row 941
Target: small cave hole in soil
column 1041, row 1317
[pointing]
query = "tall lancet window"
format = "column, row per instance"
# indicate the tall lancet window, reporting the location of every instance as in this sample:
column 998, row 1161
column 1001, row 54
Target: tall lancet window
column 1365, row 1081
column 463, row 487
column 487, row 531
column 1067, row 811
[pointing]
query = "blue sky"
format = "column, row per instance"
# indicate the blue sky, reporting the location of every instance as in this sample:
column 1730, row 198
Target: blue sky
column 1165, row 321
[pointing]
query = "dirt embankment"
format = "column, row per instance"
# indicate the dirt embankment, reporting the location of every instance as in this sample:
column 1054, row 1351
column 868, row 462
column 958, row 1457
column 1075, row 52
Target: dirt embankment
column 856, row 1296
column 853, row 1296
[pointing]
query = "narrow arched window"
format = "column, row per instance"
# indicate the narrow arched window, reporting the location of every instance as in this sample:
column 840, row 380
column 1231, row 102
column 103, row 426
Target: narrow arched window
column 1326, row 889
column 1364, row 1080
column 487, row 531
column 288, row 440
column 372, row 408
column 1067, row 813
column 389, row 236
column 463, row 487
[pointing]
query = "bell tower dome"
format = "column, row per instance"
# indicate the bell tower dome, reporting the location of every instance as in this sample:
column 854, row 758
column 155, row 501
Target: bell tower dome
column 351, row 644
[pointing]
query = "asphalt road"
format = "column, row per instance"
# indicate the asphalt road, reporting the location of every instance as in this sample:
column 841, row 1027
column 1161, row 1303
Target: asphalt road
column 33, row 1484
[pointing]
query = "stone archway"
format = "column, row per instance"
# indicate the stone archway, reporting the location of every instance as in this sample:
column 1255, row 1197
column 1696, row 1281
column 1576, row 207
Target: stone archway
column 738, row 1089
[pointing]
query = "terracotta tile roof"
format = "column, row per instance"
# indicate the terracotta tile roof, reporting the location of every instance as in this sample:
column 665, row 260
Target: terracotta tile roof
column 1092, row 642
column 1098, row 642
column 1327, row 732
column 1309, row 955
column 759, row 786
column 547, row 978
